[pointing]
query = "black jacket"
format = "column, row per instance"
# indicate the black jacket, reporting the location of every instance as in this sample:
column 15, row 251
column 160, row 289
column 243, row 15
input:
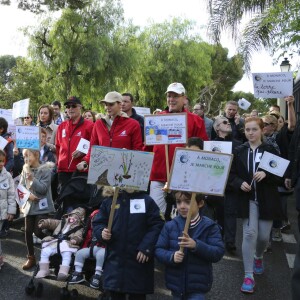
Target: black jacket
column 267, row 194
column 140, row 119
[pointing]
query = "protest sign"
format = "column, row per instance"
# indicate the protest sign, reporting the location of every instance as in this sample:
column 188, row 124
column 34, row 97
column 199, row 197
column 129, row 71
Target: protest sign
column 22, row 195
column 218, row 146
column 20, row 109
column 142, row 110
column 120, row 167
column 3, row 142
column 7, row 115
column 166, row 129
column 244, row 104
column 83, row 146
column 272, row 85
column 28, row 137
column 200, row 171
column 273, row 164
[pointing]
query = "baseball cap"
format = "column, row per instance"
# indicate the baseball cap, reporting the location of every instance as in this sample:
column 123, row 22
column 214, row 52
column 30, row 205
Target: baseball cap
column 112, row 97
column 73, row 100
column 176, row 87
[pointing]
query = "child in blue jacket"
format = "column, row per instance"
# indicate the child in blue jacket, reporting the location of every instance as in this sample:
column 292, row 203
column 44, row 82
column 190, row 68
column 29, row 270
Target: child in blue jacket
column 188, row 274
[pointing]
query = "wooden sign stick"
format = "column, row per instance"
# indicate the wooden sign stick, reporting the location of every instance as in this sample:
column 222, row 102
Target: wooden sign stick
column 113, row 207
column 188, row 218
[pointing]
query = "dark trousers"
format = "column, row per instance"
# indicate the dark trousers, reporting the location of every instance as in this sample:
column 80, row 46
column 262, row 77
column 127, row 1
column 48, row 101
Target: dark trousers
column 122, row 296
column 297, row 194
column 230, row 216
column 63, row 178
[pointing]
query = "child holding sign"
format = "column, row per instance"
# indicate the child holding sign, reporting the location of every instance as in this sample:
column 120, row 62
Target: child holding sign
column 189, row 273
column 7, row 197
column 37, row 179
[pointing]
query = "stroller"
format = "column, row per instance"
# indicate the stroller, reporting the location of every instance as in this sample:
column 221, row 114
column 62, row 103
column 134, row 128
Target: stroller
column 79, row 194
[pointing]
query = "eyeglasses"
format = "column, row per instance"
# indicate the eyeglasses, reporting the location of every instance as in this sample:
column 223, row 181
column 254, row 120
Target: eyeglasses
column 27, row 118
column 267, row 124
column 174, row 97
column 71, row 106
column 224, row 122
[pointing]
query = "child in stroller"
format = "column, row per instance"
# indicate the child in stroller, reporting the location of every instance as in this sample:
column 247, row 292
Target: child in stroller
column 90, row 248
column 66, row 239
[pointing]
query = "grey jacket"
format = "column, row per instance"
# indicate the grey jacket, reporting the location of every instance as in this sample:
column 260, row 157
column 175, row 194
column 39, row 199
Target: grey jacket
column 41, row 188
column 7, row 195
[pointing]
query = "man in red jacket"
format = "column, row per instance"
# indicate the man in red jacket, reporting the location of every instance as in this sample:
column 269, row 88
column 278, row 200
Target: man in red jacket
column 176, row 98
column 68, row 136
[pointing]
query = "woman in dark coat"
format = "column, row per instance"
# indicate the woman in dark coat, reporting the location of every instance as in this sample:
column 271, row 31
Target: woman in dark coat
column 129, row 261
column 258, row 202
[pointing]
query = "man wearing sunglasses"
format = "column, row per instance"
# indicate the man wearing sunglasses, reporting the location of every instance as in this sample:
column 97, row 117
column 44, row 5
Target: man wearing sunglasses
column 226, row 211
column 68, row 136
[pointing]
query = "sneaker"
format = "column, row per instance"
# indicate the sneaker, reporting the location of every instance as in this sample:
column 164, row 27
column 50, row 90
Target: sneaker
column 286, row 226
column 276, row 235
column 76, row 277
column 258, row 266
column 1, row 262
column 248, row 285
column 95, row 281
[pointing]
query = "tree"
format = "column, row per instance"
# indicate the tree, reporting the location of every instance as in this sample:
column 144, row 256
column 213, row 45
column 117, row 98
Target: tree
column 7, row 62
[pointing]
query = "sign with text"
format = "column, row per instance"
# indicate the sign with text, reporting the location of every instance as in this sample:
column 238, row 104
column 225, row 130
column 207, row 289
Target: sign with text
column 28, row 137
column 120, row 168
column 272, row 85
column 142, row 110
column 7, row 115
column 166, row 129
column 20, row 109
column 200, row 171
column 218, row 146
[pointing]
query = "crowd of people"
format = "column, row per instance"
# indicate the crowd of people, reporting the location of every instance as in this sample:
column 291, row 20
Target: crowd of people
column 152, row 228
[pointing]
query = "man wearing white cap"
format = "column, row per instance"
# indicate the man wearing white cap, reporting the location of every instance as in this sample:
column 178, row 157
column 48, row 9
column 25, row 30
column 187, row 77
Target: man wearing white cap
column 176, row 97
column 115, row 129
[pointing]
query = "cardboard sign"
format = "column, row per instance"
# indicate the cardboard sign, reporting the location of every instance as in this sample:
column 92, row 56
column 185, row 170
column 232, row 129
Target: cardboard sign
column 28, row 137
column 218, row 146
column 200, row 171
column 244, row 104
column 22, row 195
column 272, row 85
column 3, row 142
column 120, row 168
column 83, row 146
column 166, row 129
column 142, row 110
column 273, row 164
column 20, row 109
column 7, row 115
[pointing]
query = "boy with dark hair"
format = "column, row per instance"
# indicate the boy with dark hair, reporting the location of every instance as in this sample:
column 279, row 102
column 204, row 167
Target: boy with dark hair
column 188, row 274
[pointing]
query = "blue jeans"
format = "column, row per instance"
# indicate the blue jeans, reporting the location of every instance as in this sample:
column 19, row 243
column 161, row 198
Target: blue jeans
column 191, row 296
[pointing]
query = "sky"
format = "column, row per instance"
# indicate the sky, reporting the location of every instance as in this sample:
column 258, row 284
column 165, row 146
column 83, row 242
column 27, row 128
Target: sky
column 141, row 12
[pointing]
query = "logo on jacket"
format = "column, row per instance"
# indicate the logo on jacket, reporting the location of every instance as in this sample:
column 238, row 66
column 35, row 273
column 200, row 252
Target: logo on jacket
column 123, row 133
column 78, row 133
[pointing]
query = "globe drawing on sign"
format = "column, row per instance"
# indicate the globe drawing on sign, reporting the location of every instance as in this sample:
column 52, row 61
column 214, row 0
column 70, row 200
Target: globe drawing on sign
column 137, row 206
column 184, row 158
column 273, row 163
column 257, row 78
column 152, row 122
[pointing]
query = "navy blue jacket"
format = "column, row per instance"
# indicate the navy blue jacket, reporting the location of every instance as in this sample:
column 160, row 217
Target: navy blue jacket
column 194, row 274
column 131, row 233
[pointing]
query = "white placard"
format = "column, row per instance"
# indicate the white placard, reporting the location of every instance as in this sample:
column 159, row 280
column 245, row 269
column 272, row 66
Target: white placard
column 200, row 171
column 218, row 146
column 142, row 110
column 244, row 104
column 273, row 164
column 22, row 195
column 120, row 167
column 272, row 85
column 20, row 109
column 7, row 115
column 166, row 129
column 28, row 137
column 11, row 129
column 3, row 142
column 83, row 146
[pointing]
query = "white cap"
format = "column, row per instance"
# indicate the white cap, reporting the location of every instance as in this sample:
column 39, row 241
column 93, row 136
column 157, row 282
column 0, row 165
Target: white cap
column 176, row 87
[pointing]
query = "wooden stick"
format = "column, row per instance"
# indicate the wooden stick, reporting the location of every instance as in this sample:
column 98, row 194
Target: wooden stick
column 188, row 218
column 113, row 207
column 167, row 161
column 70, row 163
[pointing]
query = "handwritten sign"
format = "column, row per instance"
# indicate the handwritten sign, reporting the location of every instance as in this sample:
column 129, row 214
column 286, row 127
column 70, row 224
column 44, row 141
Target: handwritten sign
column 3, row 142
column 200, row 171
column 120, row 168
column 20, row 109
column 28, row 137
column 166, row 129
column 7, row 115
column 218, row 146
column 142, row 110
column 272, row 85
column 83, row 146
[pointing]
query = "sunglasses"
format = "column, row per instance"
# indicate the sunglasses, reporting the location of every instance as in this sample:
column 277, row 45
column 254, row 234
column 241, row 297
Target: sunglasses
column 27, row 118
column 267, row 124
column 71, row 106
column 224, row 122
